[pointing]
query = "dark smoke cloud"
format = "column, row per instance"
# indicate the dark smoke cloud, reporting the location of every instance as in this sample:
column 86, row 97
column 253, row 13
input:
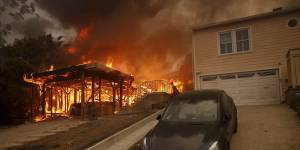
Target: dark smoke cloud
column 32, row 27
column 118, row 31
column 80, row 12
column 146, row 37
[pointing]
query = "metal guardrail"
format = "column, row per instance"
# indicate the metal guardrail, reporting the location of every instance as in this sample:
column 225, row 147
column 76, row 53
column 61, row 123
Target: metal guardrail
column 109, row 141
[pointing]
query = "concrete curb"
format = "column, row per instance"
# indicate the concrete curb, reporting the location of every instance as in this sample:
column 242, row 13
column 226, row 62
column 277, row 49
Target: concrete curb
column 107, row 142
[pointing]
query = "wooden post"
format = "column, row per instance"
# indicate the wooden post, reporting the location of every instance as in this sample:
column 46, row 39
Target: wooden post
column 31, row 103
column 68, row 99
column 127, row 94
column 114, row 96
column 75, row 96
column 51, row 101
column 82, row 95
column 65, row 100
column 55, row 102
column 93, row 107
column 43, row 100
column 121, row 93
column 100, row 103
column 93, row 92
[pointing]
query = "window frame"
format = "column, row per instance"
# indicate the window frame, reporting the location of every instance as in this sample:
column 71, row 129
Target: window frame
column 234, row 41
column 219, row 41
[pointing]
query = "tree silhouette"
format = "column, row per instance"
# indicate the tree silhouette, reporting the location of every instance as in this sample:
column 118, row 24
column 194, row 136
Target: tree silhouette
column 24, row 56
column 13, row 10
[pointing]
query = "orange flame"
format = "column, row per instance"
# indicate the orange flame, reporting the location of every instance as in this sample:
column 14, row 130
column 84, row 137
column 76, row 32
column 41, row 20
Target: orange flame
column 71, row 50
column 51, row 68
column 86, row 62
column 178, row 84
column 109, row 62
column 83, row 33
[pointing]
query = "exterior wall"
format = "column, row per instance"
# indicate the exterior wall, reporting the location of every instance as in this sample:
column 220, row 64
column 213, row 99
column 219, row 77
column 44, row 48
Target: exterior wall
column 270, row 41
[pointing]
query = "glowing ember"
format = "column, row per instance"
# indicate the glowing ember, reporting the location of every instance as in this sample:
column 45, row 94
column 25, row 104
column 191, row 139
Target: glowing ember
column 39, row 118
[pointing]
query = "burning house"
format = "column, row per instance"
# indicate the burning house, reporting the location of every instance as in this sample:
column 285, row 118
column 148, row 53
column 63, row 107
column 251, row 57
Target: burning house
column 94, row 88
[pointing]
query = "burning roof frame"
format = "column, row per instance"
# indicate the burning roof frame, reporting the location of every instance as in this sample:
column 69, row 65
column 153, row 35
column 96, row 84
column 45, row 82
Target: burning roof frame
column 76, row 77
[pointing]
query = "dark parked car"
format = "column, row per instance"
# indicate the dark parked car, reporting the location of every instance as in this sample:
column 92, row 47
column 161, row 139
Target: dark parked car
column 198, row 120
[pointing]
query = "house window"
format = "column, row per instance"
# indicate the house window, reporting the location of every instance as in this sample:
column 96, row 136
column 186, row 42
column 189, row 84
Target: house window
column 227, row 76
column 209, row 78
column 225, row 42
column 242, row 40
column 234, row 41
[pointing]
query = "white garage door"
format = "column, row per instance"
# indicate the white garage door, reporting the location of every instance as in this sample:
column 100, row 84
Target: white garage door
column 246, row 88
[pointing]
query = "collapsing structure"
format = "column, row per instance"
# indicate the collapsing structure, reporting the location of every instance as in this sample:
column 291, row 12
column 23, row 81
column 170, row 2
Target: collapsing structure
column 87, row 90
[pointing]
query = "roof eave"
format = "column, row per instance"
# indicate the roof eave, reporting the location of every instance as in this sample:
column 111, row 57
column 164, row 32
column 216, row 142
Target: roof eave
column 249, row 18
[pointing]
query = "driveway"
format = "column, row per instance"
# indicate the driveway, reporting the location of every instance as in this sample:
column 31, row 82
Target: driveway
column 18, row 135
column 270, row 127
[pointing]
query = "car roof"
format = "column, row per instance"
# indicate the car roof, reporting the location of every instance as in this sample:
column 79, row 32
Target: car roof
column 200, row 94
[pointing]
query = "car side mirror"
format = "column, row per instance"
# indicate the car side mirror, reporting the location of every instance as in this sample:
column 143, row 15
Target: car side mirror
column 158, row 117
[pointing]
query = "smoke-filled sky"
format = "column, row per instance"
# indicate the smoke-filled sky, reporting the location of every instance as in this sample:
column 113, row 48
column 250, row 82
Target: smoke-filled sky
column 144, row 37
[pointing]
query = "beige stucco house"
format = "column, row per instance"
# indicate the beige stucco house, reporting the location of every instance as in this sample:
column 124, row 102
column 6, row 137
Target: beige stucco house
column 247, row 57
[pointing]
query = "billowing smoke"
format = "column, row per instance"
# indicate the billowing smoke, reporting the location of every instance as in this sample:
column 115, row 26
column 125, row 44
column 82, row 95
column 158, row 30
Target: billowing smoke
column 148, row 38
column 32, row 27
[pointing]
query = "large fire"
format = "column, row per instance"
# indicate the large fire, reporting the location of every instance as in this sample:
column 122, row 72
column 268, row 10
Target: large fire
column 64, row 97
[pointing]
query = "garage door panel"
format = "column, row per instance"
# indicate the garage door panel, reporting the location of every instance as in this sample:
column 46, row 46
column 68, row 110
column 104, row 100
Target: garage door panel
column 210, row 84
column 249, row 88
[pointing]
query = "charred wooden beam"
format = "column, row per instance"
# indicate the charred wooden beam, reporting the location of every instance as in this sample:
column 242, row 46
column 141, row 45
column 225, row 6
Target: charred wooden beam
column 121, row 93
column 43, row 100
column 113, row 84
column 93, row 69
column 62, row 78
column 82, row 94
column 93, row 90
column 99, row 90
column 75, row 96
column 51, row 101
column 65, row 100
column 61, row 99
